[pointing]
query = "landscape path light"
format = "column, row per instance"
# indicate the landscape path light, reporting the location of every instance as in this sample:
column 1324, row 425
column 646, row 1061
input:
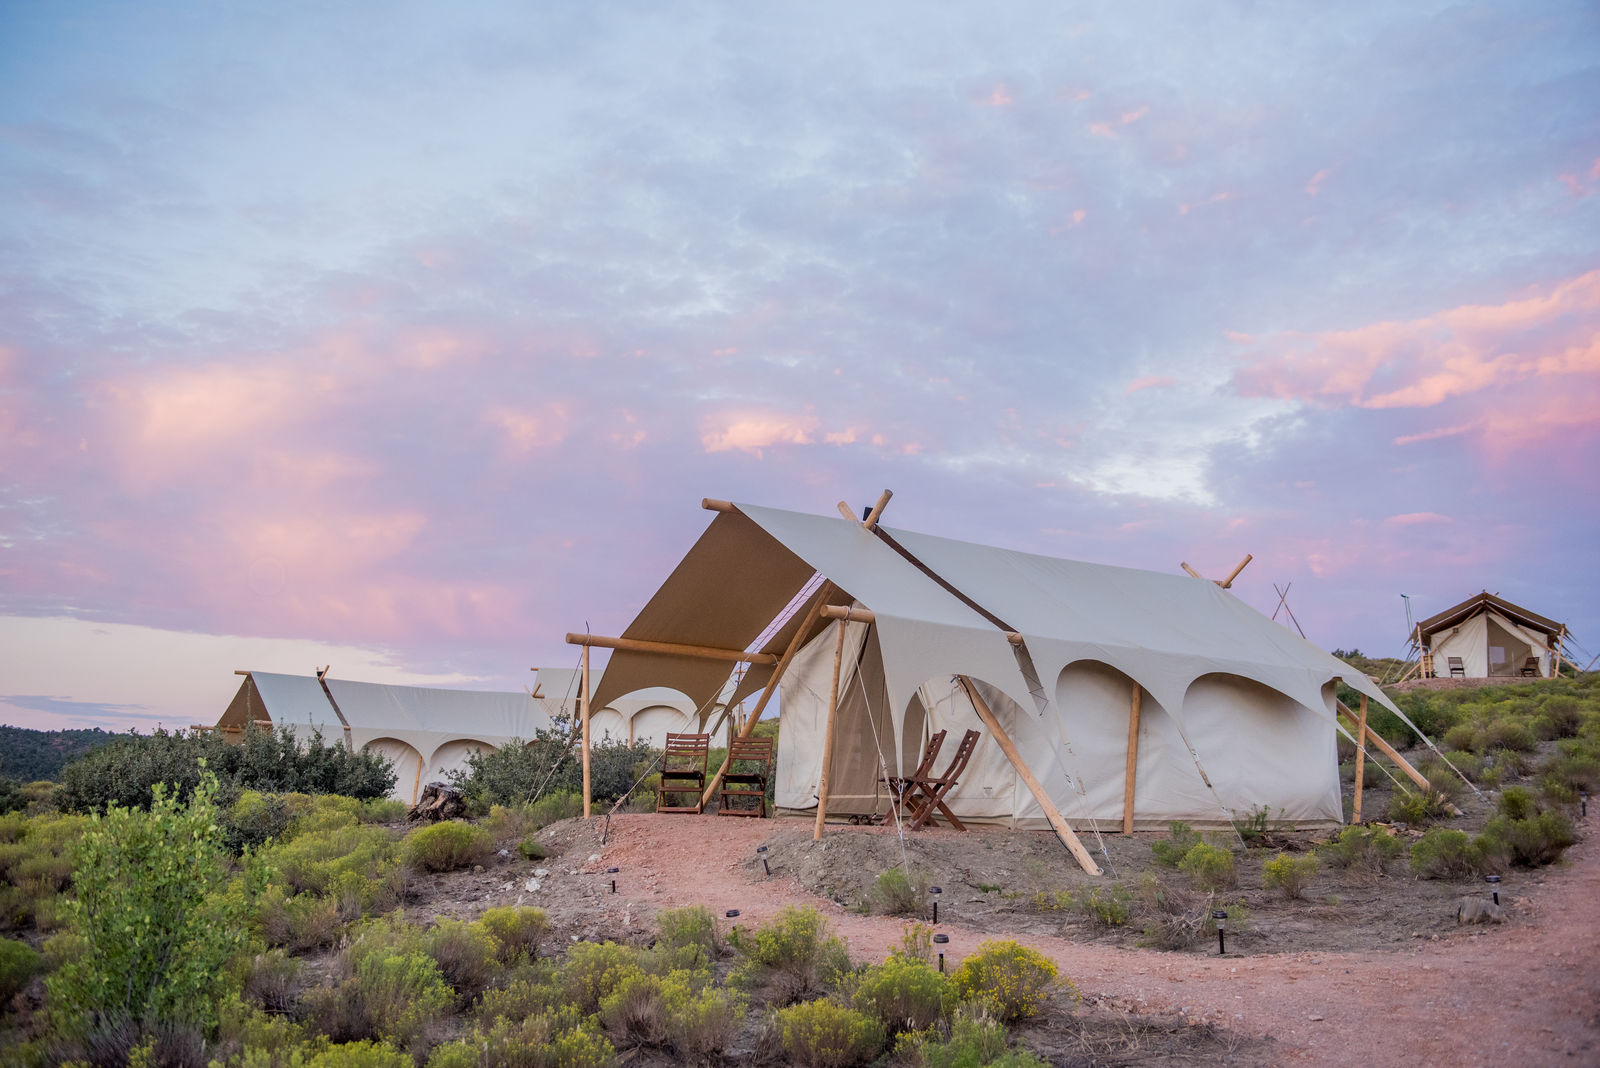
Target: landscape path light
column 761, row 851
column 1494, row 885
column 1583, row 803
column 934, row 892
column 941, row 940
column 612, row 872
column 1221, row 916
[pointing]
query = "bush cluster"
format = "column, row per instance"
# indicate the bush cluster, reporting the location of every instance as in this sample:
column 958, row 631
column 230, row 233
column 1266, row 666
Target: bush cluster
column 518, row 774
column 1009, row 979
column 795, row 956
column 1366, row 850
column 447, row 846
column 1289, row 873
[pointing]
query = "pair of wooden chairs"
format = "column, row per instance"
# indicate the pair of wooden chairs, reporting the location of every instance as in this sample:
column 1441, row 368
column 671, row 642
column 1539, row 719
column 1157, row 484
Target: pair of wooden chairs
column 683, row 771
column 921, row 794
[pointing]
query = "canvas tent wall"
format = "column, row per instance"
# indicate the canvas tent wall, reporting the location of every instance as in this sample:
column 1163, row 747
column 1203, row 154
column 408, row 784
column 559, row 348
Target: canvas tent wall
column 644, row 716
column 425, row 732
column 1225, row 689
column 1491, row 636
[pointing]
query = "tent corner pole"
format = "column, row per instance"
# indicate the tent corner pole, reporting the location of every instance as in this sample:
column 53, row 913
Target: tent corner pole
column 827, row 735
column 587, row 799
column 985, row 713
column 1361, row 763
column 1129, row 779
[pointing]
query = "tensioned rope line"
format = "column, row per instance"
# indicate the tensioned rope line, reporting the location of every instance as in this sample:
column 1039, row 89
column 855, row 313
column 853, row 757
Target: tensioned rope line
column 883, row 763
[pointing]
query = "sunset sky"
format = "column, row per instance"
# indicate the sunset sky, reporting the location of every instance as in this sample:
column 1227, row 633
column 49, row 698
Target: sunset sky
column 407, row 337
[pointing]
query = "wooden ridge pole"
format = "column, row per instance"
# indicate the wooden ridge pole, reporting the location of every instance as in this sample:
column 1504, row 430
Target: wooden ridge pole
column 1133, row 761
column 583, row 699
column 1085, row 861
column 638, row 645
column 823, row 593
column 827, row 736
column 1361, row 763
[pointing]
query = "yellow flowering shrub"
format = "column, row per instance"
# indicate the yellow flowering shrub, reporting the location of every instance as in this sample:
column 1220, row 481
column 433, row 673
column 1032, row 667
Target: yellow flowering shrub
column 1011, row 979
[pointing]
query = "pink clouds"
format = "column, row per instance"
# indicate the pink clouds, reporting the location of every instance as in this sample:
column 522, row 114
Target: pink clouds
column 527, row 429
column 1109, row 127
column 1528, row 365
column 1150, row 382
column 1314, row 186
column 754, row 432
column 1411, row 519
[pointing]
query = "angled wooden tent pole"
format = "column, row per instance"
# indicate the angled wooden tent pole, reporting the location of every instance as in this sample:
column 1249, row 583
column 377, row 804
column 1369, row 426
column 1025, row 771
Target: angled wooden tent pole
column 827, row 736
column 584, row 700
column 701, row 652
column 1384, row 747
column 1361, row 763
column 1225, row 583
column 1133, row 760
column 1192, row 572
column 812, row 614
column 985, row 713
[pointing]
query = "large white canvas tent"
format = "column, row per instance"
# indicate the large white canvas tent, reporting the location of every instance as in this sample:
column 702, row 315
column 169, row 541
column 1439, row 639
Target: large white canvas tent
column 1491, row 636
column 1236, row 713
column 424, row 732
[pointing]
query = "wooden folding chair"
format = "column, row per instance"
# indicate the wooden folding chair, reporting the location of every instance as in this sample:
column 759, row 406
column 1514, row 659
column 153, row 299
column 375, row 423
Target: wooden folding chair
column 756, row 755
column 683, row 769
column 900, row 785
column 927, row 794
column 1530, row 667
column 1457, row 667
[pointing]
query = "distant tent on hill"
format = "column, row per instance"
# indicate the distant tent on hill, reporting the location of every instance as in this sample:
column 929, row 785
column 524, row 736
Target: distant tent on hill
column 1109, row 697
column 1487, row 636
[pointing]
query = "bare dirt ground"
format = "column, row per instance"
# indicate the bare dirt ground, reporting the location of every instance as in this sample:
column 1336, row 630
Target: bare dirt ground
column 1382, row 975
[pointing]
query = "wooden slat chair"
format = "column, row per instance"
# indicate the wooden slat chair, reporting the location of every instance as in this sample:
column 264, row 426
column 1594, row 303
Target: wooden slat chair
column 750, row 782
column 683, row 770
column 900, row 785
column 927, row 793
column 1530, row 667
column 1457, row 667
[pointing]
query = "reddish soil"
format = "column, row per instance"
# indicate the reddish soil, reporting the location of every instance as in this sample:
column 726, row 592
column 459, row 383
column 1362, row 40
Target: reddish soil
column 1527, row 992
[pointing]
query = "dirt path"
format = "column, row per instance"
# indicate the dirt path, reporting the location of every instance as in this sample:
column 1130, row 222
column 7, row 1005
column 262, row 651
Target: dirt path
column 1525, row 994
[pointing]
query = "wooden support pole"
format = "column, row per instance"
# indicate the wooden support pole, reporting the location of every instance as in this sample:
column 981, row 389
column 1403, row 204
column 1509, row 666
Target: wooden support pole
column 711, row 504
column 844, row 510
column 703, row 652
column 1192, row 572
column 849, row 613
column 1128, row 777
column 1385, row 748
column 877, row 510
column 584, row 699
column 1085, row 861
column 1361, row 762
column 1225, row 583
column 795, row 643
column 827, row 736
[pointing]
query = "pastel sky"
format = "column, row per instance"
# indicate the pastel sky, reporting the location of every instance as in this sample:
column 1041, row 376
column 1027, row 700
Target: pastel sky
column 408, row 337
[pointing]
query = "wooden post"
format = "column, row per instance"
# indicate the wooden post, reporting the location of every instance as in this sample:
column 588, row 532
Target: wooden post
column 1361, row 762
column 584, row 700
column 711, row 504
column 827, row 736
column 817, row 608
column 1085, row 861
column 1225, row 583
column 877, row 510
column 1385, row 748
column 1128, row 777
column 1192, row 572
column 701, row 652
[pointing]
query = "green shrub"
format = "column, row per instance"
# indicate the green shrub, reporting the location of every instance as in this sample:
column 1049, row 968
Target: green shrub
column 387, row 992
column 974, row 1040
column 254, row 819
column 821, row 1034
column 677, row 1011
column 540, row 994
column 1564, row 715
column 1010, row 979
column 155, row 923
column 555, row 1040
column 1516, row 803
column 360, row 1055
column 1108, row 906
column 1514, row 734
column 1447, row 854
column 594, row 969
column 1417, row 807
column 383, row 810
column 1289, row 874
column 1171, row 850
column 692, row 928
column 1209, row 867
column 896, row 895
column 18, row 963
column 1529, row 843
column 517, row 931
column 794, row 956
column 300, row 922
column 1462, row 736
column 555, row 807
column 1371, row 773
column 1361, row 849
column 273, row 981
column 467, row 957
column 903, row 994
column 447, row 846
column 252, row 1038
column 1255, row 825
column 351, row 858
column 1574, row 771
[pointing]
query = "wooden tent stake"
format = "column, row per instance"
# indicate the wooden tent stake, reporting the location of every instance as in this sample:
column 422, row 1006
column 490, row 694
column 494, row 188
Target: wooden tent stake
column 823, row 593
column 1133, row 761
column 703, row 652
column 1361, row 762
column 585, row 700
column 827, row 736
column 1085, row 861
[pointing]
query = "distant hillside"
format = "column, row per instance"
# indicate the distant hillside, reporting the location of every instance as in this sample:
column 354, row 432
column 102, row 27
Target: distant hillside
column 1386, row 669
column 27, row 755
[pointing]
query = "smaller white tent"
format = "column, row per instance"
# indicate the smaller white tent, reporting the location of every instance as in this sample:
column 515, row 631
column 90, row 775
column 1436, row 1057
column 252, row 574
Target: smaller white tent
column 424, row 732
column 1492, row 638
column 645, row 716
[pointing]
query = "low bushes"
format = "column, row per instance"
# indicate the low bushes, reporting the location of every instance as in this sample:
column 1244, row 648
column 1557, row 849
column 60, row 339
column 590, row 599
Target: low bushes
column 18, row 963
column 447, row 846
column 386, row 991
column 975, row 1039
column 903, row 994
column 691, row 930
column 894, row 894
column 822, row 1034
column 1290, row 874
column 517, row 932
column 1361, row 849
column 1418, row 807
column 795, row 956
column 1180, row 839
column 678, row 1011
column 1011, row 980
column 1448, row 854
column 1209, row 867
column 554, row 1040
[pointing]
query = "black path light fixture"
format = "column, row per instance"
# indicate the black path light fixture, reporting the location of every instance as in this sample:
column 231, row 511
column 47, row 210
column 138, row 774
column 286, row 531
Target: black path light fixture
column 761, row 851
column 613, row 873
column 1583, row 804
column 1494, row 886
column 934, row 892
column 1221, row 916
column 941, row 940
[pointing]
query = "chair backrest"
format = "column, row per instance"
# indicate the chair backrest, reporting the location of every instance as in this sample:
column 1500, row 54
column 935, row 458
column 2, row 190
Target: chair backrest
column 1456, row 664
column 686, row 752
column 758, row 750
column 969, row 742
column 1530, row 666
column 930, row 753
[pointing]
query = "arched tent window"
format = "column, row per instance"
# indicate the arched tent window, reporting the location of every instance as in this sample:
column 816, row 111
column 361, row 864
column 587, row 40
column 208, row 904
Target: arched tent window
column 607, row 723
column 407, row 764
column 1263, row 748
column 651, row 725
column 452, row 756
